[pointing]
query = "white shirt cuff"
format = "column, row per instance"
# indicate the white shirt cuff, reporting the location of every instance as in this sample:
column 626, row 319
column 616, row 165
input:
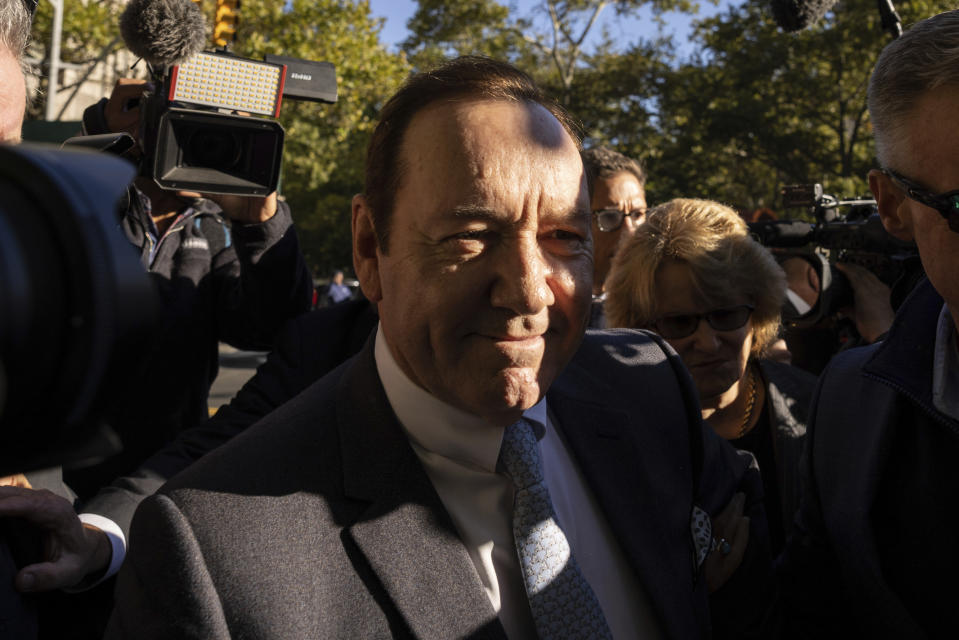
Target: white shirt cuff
column 118, row 542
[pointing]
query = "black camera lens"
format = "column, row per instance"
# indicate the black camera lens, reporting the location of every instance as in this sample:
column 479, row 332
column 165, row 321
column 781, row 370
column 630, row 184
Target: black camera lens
column 216, row 147
column 211, row 152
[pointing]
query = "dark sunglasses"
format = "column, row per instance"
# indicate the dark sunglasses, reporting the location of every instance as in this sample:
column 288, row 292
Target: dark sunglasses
column 947, row 204
column 612, row 219
column 682, row 326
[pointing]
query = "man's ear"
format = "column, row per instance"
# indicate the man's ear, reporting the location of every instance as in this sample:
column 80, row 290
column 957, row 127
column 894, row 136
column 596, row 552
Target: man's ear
column 366, row 254
column 893, row 208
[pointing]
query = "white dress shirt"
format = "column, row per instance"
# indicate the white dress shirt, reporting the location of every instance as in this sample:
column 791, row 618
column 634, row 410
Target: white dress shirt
column 459, row 452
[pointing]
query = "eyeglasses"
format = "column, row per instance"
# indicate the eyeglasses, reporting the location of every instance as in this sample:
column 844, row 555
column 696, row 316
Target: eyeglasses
column 612, row 219
column 682, row 326
column 947, row 204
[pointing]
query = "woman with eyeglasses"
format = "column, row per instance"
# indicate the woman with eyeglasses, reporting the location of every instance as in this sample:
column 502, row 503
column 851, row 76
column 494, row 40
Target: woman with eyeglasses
column 695, row 276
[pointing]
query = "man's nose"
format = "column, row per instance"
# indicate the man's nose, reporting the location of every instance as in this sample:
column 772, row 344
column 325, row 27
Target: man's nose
column 523, row 279
column 631, row 223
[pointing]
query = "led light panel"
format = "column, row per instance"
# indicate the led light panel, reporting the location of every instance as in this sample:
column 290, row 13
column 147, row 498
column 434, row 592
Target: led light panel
column 230, row 83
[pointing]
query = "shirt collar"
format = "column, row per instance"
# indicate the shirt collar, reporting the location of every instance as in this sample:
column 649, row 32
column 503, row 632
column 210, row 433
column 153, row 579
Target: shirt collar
column 802, row 307
column 439, row 427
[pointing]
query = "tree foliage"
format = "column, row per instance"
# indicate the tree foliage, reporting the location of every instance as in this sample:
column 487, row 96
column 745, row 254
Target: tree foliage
column 549, row 42
column 90, row 31
column 753, row 108
column 325, row 145
column 757, row 108
column 87, row 28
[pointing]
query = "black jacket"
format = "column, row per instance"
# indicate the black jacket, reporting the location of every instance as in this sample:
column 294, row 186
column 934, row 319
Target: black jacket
column 308, row 348
column 217, row 282
column 874, row 549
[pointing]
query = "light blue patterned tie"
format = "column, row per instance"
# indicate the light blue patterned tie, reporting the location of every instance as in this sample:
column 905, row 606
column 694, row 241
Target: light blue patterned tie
column 562, row 602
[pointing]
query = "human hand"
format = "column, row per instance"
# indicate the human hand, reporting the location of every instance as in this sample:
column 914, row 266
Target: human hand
column 122, row 110
column 245, row 209
column 71, row 550
column 16, row 480
column 871, row 310
column 730, row 537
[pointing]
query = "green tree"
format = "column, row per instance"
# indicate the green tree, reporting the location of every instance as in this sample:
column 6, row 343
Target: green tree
column 325, row 144
column 90, row 32
column 756, row 108
column 550, row 42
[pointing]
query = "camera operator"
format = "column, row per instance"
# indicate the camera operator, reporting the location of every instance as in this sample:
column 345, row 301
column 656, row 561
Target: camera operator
column 873, row 551
column 228, row 268
column 871, row 310
column 865, row 319
column 237, row 282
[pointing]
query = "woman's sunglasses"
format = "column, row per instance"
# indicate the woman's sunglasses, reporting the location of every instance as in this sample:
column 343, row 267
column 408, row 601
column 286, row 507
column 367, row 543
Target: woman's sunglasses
column 682, row 326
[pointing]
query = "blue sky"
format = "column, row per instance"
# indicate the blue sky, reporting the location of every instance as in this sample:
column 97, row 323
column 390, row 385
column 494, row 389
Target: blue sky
column 626, row 30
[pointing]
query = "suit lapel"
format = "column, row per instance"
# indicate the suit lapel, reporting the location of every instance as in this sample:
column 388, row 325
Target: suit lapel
column 405, row 533
column 625, row 480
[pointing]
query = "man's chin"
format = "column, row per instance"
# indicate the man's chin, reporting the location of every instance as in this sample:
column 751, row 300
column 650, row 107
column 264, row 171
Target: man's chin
column 512, row 392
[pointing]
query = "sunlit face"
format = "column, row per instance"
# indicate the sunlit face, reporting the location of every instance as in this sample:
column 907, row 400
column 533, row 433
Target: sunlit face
column 928, row 155
column 715, row 359
column 484, row 289
column 621, row 191
column 13, row 97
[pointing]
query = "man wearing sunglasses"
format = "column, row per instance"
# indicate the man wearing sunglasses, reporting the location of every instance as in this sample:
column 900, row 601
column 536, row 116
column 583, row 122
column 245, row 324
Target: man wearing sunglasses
column 617, row 187
column 874, row 551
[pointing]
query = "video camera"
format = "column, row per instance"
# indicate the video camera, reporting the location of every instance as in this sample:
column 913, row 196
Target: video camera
column 845, row 230
column 77, row 306
column 208, row 118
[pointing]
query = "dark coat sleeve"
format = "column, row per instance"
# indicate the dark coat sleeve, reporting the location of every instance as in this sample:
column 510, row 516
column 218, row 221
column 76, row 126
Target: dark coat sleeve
column 308, row 348
column 261, row 281
column 809, row 571
column 747, row 606
column 144, row 606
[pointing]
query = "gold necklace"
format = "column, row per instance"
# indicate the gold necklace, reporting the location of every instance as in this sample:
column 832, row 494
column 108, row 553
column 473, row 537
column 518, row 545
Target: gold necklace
column 749, row 403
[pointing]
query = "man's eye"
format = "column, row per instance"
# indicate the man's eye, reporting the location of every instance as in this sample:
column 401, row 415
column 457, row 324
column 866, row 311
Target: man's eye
column 565, row 241
column 567, row 236
column 471, row 241
column 474, row 234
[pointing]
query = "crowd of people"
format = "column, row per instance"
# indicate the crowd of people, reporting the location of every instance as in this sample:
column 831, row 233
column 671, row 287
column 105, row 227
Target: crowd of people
column 553, row 412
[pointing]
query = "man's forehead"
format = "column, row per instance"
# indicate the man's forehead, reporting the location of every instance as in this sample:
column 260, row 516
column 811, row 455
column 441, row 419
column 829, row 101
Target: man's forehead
column 476, row 125
column 926, row 151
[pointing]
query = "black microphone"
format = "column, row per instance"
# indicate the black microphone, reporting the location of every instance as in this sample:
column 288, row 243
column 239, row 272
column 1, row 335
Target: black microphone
column 163, row 32
column 793, row 15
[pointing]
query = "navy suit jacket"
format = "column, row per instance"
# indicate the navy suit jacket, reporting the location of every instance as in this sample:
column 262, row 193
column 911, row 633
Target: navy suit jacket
column 319, row 521
column 873, row 551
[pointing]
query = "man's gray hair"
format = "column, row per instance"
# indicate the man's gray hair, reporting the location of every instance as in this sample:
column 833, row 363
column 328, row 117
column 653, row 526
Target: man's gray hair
column 15, row 22
column 924, row 58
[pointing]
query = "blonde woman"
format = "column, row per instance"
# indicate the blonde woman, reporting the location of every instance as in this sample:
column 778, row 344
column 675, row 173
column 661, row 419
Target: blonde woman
column 694, row 275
